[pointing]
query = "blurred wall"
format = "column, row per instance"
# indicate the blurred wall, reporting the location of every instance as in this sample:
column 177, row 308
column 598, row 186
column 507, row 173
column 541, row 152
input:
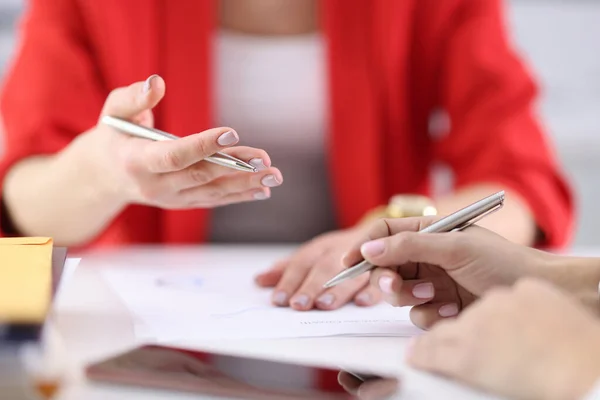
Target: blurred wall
column 559, row 38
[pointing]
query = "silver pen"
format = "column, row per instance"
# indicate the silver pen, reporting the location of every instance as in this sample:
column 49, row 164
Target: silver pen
column 457, row 221
column 143, row 132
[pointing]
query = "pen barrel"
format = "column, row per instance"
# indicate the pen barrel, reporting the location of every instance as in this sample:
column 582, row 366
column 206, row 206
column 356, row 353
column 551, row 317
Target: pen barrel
column 466, row 215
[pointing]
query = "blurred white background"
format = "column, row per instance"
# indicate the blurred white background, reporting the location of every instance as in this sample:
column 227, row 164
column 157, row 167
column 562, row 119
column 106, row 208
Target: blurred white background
column 560, row 40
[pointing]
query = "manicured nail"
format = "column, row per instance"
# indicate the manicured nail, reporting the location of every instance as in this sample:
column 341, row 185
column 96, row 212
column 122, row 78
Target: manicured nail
column 385, row 284
column 228, row 138
column 270, row 181
column 300, row 301
column 326, row 300
column 363, row 298
column 373, row 248
column 448, row 310
column 148, row 83
column 280, row 298
column 423, row 291
column 261, row 196
column 257, row 163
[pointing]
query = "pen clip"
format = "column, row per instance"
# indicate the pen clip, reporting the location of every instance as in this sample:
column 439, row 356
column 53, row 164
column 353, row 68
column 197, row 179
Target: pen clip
column 478, row 218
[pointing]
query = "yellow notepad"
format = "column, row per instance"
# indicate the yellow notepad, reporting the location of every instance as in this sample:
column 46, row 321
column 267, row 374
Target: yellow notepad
column 25, row 279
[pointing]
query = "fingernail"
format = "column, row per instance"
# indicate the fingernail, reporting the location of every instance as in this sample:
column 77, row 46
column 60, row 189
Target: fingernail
column 258, row 164
column 385, row 284
column 270, row 181
column 448, row 310
column 373, row 248
column 423, row 291
column 148, row 83
column 363, row 298
column 300, row 301
column 228, row 138
column 280, row 298
column 326, row 300
column 261, row 196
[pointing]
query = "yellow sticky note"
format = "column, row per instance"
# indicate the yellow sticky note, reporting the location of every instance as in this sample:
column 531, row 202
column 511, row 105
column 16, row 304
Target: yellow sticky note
column 25, row 279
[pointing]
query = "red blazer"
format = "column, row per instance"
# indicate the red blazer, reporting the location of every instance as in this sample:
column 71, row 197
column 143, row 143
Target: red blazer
column 391, row 65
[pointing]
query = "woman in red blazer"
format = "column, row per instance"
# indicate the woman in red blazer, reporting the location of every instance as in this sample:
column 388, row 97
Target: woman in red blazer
column 341, row 93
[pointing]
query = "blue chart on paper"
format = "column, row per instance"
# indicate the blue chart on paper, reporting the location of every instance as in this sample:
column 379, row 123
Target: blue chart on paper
column 180, row 282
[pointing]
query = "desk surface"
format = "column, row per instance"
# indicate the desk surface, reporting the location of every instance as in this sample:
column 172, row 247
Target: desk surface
column 94, row 324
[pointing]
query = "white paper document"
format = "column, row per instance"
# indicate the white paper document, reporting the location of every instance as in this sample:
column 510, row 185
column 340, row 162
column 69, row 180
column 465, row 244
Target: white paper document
column 217, row 302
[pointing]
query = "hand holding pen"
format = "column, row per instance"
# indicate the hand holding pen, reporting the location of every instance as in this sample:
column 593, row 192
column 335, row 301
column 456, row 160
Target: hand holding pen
column 148, row 166
column 424, row 262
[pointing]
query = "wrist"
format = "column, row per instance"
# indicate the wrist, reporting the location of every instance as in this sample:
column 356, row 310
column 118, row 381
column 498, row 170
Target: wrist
column 575, row 275
column 87, row 164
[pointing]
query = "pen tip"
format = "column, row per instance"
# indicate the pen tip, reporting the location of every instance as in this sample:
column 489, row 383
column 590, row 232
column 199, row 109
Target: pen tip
column 329, row 284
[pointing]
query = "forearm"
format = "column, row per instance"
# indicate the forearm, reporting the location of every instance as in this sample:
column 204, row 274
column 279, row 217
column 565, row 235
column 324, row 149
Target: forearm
column 577, row 275
column 63, row 196
column 515, row 222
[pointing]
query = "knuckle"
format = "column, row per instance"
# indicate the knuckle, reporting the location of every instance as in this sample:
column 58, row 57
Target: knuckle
column 401, row 240
column 215, row 194
column 150, row 193
column 203, row 147
column 171, row 160
column 128, row 161
column 378, row 228
column 199, row 176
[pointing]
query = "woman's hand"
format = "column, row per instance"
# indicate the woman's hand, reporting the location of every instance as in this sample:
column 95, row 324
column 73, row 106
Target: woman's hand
column 298, row 280
column 440, row 273
column 528, row 342
column 172, row 174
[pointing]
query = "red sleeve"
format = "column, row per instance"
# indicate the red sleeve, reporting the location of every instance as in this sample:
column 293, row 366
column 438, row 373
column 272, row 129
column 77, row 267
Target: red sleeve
column 51, row 91
column 489, row 96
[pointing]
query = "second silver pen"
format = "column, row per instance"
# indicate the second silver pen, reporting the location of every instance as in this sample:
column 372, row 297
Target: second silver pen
column 130, row 128
column 456, row 221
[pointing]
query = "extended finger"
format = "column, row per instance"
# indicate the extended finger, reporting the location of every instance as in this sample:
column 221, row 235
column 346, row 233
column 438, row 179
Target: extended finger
column 334, row 297
column 204, row 172
column 235, row 198
column 401, row 292
column 443, row 249
column 215, row 191
column 295, row 273
column 323, row 269
column 272, row 276
column 368, row 296
column 127, row 102
column 175, row 155
column 427, row 315
column 381, row 228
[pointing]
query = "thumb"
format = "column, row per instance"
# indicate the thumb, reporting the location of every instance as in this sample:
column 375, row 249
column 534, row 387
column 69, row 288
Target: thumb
column 127, row 102
column 445, row 250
